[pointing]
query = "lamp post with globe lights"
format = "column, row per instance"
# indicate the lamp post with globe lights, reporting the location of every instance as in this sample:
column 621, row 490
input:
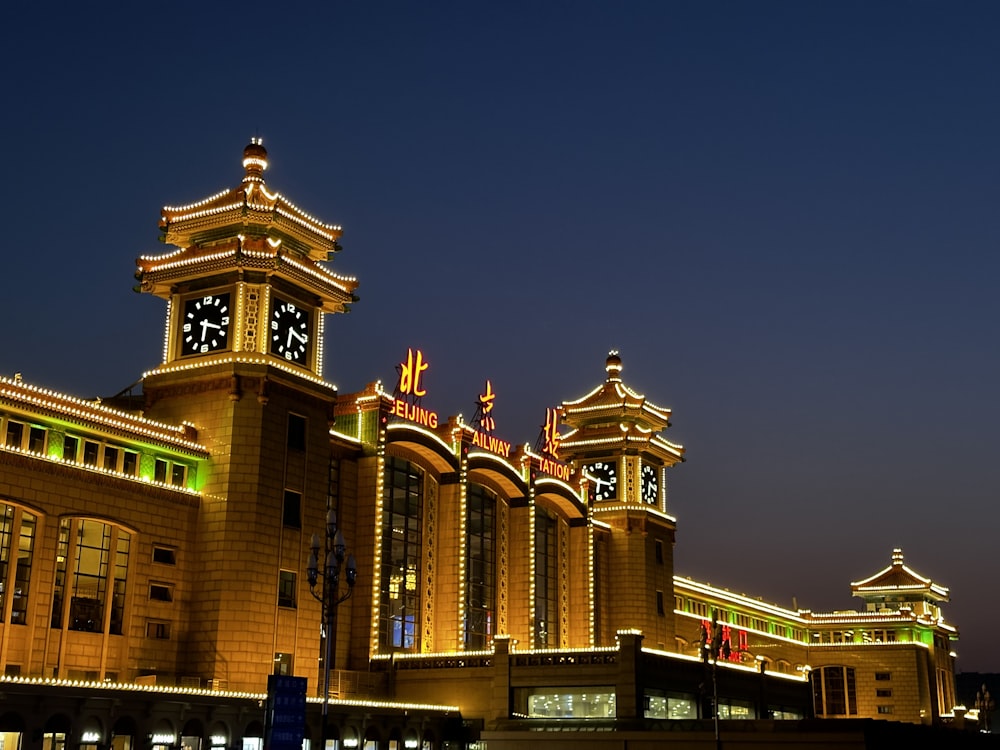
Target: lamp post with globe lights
column 324, row 585
column 985, row 706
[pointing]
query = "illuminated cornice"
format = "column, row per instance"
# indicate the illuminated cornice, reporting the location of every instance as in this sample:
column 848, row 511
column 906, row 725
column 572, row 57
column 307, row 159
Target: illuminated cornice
column 17, row 392
column 192, row 258
column 145, row 481
column 238, row 358
column 346, row 283
column 741, row 600
column 204, row 692
column 881, row 645
column 648, row 509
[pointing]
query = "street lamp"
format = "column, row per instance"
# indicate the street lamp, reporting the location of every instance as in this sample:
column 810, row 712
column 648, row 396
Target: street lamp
column 328, row 580
column 985, row 705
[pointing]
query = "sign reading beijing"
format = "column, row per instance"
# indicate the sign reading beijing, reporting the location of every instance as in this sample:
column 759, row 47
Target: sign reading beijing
column 410, row 389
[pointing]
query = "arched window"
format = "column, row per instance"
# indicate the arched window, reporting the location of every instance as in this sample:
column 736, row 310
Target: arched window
column 91, row 573
column 546, row 579
column 17, row 546
column 399, row 609
column 480, row 571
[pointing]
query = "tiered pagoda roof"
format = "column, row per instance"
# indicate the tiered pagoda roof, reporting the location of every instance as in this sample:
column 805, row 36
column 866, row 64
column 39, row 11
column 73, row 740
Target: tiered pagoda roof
column 899, row 582
column 613, row 416
column 249, row 229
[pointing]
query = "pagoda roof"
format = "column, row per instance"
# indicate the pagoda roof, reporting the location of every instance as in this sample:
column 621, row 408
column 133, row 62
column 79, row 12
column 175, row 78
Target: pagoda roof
column 249, row 209
column 898, row 579
column 624, row 435
column 613, row 402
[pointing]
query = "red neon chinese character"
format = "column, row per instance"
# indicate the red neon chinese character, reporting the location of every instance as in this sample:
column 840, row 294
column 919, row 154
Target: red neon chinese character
column 410, row 373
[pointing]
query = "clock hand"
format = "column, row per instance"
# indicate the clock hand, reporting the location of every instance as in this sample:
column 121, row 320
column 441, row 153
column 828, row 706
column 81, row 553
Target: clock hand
column 300, row 336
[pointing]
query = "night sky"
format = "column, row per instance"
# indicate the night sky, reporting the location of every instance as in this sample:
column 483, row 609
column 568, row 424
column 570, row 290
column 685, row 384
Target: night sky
column 782, row 214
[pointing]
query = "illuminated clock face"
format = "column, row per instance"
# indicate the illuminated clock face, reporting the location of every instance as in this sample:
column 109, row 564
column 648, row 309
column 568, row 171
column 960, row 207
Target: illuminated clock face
column 605, row 480
column 650, row 485
column 289, row 330
column 205, row 324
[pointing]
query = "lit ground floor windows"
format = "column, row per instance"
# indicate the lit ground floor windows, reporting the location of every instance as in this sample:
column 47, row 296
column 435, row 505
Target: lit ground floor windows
column 565, row 702
column 660, row 705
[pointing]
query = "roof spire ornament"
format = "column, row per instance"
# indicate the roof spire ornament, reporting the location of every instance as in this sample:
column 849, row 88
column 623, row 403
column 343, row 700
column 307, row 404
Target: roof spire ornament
column 255, row 160
column 613, row 366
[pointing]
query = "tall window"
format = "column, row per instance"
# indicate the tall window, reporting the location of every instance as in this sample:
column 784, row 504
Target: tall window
column 286, row 588
column 16, row 561
column 296, row 432
column 480, row 560
column 546, row 580
column 91, row 562
column 399, row 610
column 22, row 573
column 291, row 510
column 834, row 692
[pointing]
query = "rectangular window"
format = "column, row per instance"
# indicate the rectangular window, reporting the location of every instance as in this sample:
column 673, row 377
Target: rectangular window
column 70, row 447
column 130, row 463
column 110, row 458
column 659, row 603
column 659, row 551
column 291, row 512
column 885, row 709
column 158, row 630
column 160, row 471
column 36, row 440
column 15, row 434
column 161, row 592
column 90, row 452
column 164, row 555
column 883, row 676
column 178, row 475
column 883, row 693
column 286, row 588
column 283, row 664
column 296, row 432
column 679, row 603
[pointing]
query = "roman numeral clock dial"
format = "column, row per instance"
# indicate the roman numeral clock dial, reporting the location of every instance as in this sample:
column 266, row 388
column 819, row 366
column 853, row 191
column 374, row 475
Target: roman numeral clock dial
column 205, row 324
column 289, row 331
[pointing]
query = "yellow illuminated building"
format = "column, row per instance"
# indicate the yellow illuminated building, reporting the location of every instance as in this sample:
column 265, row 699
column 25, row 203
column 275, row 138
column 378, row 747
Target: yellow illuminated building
column 153, row 546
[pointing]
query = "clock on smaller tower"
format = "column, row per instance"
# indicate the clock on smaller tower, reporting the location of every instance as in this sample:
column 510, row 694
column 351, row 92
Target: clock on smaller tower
column 605, row 479
column 650, row 486
column 289, row 330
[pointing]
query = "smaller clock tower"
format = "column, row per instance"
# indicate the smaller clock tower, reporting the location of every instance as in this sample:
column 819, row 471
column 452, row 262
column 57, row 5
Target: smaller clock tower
column 616, row 441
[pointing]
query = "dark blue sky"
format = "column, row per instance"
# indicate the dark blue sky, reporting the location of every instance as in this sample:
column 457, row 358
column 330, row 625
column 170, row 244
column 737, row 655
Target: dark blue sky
column 782, row 214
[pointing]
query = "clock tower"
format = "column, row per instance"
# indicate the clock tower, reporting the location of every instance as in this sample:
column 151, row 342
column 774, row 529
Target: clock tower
column 616, row 440
column 247, row 286
column 247, row 282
